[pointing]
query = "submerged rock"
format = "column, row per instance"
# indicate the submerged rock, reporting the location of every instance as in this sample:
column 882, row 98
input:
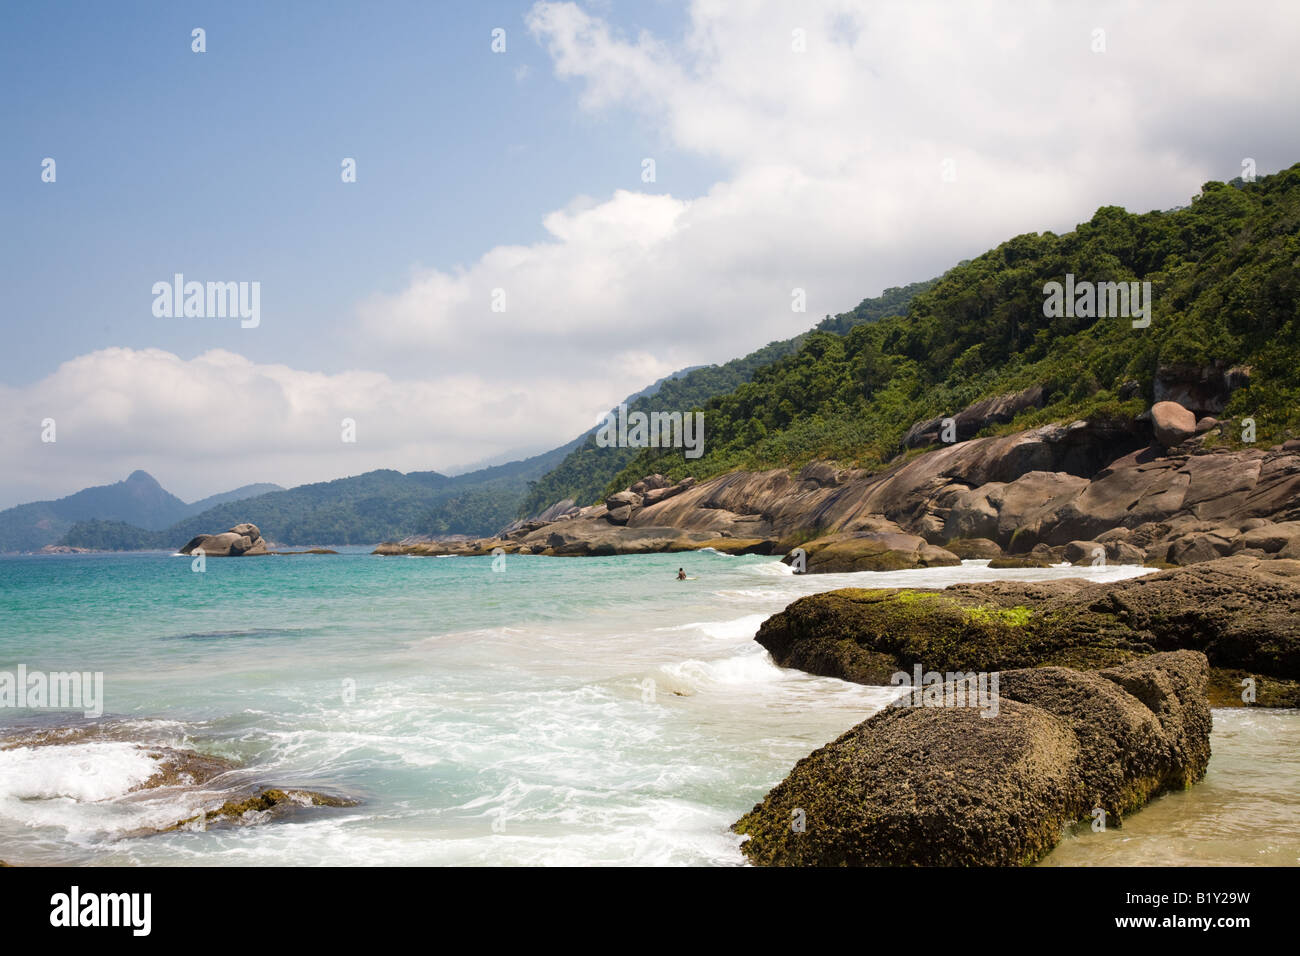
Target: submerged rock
column 259, row 807
column 950, row 786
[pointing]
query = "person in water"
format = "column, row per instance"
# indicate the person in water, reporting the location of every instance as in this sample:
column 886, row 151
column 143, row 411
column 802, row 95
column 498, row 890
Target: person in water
column 681, row 574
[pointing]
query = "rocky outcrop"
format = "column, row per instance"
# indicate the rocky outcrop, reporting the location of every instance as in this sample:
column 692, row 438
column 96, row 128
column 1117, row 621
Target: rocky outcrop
column 884, row 549
column 242, row 539
column 1202, row 389
column 1030, row 493
column 1242, row 612
column 958, row 786
column 973, row 419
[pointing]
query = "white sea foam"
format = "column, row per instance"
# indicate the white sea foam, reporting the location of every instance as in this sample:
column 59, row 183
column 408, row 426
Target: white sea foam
column 81, row 772
column 738, row 629
column 599, row 712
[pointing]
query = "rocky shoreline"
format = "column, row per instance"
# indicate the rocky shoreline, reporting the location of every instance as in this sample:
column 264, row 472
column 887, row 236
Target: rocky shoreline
column 1142, row 491
column 1101, row 701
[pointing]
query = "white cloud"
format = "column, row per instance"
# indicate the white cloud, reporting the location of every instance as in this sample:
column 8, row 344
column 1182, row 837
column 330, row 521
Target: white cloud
column 834, row 159
column 219, row 421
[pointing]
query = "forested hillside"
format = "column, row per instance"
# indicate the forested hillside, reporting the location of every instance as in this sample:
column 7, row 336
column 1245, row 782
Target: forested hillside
column 362, row 509
column 1225, row 275
column 589, row 469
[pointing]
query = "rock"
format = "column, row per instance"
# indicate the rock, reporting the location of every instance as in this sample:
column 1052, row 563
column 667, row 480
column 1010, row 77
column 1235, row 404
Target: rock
column 1199, row 546
column 1085, row 552
column 1007, row 562
column 1047, row 553
column 949, row 786
column 821, row 473
column 976, row 549
column 973, row 419
column 1242, row 613
column 619, row 515
column 1121, row 552
column 242, row 539
column 873, row 551
column 1269, row 537
column 1172, row 423
column 1048, row 486
column 564, row 507
column 1206, row 424
column 1205, row 389
column 623, row 499
column 650, row 483
column 266, row 804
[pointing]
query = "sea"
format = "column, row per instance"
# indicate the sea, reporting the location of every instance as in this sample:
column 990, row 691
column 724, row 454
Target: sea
column 532, row 711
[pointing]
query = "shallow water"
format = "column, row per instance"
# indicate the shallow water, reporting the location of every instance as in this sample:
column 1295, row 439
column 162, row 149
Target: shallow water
column 589, row 710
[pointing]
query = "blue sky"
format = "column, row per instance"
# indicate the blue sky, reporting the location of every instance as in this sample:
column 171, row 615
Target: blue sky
column 227, row 164
column 796, row 147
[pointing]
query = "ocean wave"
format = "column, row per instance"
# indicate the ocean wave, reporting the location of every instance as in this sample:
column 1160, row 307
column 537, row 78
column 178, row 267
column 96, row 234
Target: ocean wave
column 692, row 676
column 735, row 629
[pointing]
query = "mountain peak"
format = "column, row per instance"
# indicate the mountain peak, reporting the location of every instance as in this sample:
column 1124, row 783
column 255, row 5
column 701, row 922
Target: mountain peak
column 139, row 477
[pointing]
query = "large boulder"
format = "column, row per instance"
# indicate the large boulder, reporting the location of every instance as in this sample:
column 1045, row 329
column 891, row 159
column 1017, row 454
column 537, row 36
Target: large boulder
column 873, row 551
column 242, row 539
column 960, row 786
column 1172, row 423
column 1243, row 613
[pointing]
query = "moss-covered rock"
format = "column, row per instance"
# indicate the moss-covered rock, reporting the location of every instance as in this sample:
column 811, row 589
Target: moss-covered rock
column 265, row 804
column 883, row 550
column 1243, row 613
column 1019, row 561
column 952, row 786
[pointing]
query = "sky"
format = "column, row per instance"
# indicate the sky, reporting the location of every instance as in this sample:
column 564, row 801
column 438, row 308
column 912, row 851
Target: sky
column 504, row 267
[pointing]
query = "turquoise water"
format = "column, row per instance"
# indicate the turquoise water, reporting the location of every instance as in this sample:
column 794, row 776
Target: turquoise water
column 591, row 710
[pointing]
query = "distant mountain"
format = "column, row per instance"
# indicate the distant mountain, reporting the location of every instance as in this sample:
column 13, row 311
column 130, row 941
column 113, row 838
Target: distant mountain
column 138, row 501
column 248, row 491
column 385, row 505
column 363, row 509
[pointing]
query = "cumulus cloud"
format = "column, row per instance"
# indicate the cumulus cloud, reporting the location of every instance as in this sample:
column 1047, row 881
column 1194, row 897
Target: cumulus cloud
column 866, row 145
column 219, row 421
